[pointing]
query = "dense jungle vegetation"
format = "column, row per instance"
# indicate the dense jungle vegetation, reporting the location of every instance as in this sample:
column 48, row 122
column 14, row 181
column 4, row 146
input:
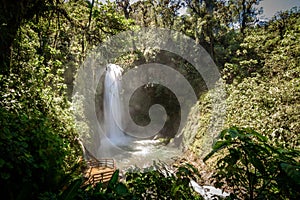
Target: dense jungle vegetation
column 256, row 151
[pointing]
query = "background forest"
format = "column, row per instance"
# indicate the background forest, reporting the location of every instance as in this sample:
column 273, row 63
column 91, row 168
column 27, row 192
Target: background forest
column 44, row 42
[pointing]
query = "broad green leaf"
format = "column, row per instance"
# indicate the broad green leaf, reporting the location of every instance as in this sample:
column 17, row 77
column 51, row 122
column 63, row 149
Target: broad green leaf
column 257, row 163
column 292, row 172
column 121, row 190
column 114, row 179
column 71, row 192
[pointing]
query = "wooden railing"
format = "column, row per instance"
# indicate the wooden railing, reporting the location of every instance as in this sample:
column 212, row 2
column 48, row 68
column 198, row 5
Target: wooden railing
column 100, row 170
column 108, row 162
column 101, row 177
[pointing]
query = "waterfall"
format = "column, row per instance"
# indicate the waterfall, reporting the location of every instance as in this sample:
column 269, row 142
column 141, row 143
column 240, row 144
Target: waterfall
column 113, row 109
column 126, row 150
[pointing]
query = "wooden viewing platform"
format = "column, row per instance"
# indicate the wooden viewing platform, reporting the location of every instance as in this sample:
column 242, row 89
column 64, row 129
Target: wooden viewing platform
column 99, row 170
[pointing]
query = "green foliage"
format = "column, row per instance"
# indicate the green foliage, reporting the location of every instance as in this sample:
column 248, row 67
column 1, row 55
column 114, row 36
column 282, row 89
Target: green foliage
column 158, row 182
column 44, row 48
column 71, row 191
column 252, row 168
column 272, row 89
column 33, row 155
column 262, row 91
column 38, row 147
column 267, row 52
column 114, row 189
column 271, row 108
column 42, row 43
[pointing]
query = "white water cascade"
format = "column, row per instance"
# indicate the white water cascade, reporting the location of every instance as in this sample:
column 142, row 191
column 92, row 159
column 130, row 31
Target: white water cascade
column 113, row 109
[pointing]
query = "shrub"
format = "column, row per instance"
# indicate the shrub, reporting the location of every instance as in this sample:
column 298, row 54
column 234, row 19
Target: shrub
column 254, row 169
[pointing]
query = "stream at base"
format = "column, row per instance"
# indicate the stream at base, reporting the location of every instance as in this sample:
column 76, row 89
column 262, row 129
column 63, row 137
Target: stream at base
column 142, row 154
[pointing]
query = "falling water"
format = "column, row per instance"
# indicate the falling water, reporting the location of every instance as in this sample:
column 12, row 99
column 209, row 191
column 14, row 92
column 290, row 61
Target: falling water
column 113, row 112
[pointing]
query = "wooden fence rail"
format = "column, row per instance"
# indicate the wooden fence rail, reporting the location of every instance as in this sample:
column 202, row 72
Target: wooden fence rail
column 100, row 170
column 101, row 177
column 108, row 162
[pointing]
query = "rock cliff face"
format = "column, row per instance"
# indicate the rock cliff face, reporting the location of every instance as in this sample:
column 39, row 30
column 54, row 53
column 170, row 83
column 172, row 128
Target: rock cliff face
column 150, row 95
